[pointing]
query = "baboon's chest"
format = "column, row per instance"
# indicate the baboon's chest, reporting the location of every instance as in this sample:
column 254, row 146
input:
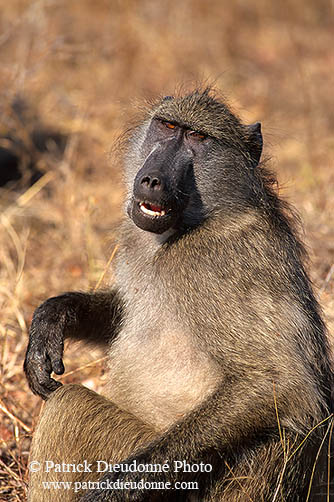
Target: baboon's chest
column 157, row 369
column 157, row 372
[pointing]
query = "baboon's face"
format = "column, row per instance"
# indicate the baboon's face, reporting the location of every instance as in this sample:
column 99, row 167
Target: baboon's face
column 165, row 183
column 191, row 158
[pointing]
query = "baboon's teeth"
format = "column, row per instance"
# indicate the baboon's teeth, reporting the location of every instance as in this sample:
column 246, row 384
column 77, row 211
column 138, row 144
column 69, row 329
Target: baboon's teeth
column 151, row 210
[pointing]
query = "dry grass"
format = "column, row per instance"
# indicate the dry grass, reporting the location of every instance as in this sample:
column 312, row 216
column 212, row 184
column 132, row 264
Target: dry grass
column 80, row 66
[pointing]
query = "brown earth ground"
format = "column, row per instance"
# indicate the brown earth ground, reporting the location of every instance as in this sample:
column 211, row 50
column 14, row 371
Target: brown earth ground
column 81, row 67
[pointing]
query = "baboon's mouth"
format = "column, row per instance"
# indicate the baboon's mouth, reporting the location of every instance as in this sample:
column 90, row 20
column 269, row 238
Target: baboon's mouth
column 152, row 209
column 152, row 216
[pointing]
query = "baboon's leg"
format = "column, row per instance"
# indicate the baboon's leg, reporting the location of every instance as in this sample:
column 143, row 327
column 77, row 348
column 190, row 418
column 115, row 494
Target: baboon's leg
column 79, row 425
column 255, row 478
column 275, row 471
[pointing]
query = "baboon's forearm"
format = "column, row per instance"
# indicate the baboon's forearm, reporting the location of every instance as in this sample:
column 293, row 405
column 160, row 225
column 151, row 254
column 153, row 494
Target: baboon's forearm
column 220, row 422
column 210, row 434
column 92, row 317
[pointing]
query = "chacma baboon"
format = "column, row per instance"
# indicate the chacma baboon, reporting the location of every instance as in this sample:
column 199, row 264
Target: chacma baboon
column 217, row 351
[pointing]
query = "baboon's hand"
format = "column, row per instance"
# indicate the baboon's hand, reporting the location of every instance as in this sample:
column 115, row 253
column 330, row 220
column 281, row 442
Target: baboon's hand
column 46, row 344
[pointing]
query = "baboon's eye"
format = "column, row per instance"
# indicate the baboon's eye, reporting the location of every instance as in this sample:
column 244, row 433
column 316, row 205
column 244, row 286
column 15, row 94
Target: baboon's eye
column 166, row 124
column 197, row 135
column 169, row 125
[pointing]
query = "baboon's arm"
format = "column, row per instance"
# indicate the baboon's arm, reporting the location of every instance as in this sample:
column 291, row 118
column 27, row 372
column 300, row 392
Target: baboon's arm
column 93, row 317
column 209, row 434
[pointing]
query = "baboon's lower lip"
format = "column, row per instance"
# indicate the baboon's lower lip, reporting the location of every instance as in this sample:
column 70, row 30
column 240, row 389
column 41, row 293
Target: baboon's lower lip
column 152, row 209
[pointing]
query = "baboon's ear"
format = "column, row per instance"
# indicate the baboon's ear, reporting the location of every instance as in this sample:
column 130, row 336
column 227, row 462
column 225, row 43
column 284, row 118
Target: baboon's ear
column 255, row 142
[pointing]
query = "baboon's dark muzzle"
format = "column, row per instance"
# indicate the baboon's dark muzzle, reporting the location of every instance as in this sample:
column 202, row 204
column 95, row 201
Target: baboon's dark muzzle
column 159, row 190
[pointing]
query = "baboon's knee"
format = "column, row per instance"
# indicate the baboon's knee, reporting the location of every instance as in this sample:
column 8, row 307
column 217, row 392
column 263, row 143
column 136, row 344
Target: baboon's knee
column 65, row 398
column 77, row 419
column 63, row 417
column 78, row 425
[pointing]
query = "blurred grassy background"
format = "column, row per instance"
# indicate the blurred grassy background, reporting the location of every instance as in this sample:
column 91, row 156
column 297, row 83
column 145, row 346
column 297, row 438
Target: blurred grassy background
column 81, row 66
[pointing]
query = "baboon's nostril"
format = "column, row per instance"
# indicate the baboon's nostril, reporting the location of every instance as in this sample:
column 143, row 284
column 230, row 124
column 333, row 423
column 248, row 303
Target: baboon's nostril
column 155, row 183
